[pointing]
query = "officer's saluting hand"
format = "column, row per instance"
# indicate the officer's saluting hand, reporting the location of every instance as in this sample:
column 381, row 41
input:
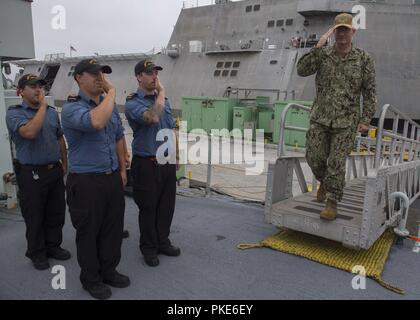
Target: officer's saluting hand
column 323, row 40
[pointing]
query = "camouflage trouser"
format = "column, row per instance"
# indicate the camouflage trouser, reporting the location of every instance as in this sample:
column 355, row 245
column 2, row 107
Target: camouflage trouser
column 326, row 153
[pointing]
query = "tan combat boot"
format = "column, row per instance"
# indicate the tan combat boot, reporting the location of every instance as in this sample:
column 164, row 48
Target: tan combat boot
column 330, row 211
column 321, row 195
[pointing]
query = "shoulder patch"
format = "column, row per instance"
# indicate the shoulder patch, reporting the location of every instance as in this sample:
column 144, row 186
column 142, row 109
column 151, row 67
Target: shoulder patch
column 131, row 96
column 73, row 98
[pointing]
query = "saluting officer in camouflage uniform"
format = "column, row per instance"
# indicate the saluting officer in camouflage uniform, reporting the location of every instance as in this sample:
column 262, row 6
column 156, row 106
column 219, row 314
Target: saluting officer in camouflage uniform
column 343, row 74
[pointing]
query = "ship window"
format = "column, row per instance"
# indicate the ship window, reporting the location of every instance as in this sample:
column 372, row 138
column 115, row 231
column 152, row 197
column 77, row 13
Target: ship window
column 236, row 64
column 248, row 9
column 280, row 23
column 39, row 69
column 219, row 64
column 234, row 73
column 289, row 22
column 69, row 74
column 273, row 62
column 257, row 7
column 217, row 73
column 225, row 73
column 72, row 68
column 228, row 64
column 270, row 24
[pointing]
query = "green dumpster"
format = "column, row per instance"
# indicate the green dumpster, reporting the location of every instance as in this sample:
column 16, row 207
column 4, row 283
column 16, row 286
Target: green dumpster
column 207, row 113
column 296, row 118
column 243, row 118
column 265, row 119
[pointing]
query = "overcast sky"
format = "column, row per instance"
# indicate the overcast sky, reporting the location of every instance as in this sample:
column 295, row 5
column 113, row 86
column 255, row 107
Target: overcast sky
column 105, row 27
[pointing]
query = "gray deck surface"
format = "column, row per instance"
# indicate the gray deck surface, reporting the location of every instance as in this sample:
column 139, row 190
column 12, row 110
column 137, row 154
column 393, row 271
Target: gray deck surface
column 210, row 267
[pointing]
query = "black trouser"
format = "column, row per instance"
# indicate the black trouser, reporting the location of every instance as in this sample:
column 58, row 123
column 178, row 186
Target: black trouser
column 96, row 203
column 154, row 191
column 43, row 206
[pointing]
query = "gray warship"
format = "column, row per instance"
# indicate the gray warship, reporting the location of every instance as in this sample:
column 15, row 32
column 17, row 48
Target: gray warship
column 244, row 50
column 255, row 45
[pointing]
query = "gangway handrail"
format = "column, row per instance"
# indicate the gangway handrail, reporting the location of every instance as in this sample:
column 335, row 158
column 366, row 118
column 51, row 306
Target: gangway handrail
column 281, row 148
column 247, row 91
column 413, row 139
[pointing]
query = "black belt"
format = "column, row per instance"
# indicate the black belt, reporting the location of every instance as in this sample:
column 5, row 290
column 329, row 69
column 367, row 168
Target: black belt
column 151, row 158
column 107, row 173
column 42, row 166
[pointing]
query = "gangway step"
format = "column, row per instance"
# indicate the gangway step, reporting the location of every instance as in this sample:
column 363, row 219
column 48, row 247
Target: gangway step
column 302, row 213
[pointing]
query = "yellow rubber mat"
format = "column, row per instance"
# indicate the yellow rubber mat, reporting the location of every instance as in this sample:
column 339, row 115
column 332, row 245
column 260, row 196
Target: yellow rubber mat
column 332, row 253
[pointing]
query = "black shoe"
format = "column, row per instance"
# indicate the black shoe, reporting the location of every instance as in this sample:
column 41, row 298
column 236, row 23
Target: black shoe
column 118, row 280
column 99, row 291
column 170, row 251
column 58, row 253
column 41, row 263
column 151, row 261
column 125, row 234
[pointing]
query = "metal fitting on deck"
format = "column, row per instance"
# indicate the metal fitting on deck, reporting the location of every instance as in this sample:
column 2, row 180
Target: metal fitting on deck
column 401, row 230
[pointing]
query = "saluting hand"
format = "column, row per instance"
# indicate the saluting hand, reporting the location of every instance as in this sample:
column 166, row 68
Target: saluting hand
column 106, row 84
column 325, row 37
column 159, row 86
column 42, row 101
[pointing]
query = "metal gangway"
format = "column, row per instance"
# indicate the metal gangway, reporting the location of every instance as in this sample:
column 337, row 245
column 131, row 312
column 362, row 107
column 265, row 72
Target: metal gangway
column 382, row 180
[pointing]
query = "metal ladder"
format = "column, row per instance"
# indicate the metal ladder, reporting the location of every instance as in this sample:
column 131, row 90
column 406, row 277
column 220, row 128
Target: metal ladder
column 382, row 180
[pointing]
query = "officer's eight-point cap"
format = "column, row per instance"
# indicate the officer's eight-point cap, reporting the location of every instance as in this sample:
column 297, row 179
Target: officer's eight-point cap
column 146, row 65
column 90, row 66
column 30, row 79
column 343, row 20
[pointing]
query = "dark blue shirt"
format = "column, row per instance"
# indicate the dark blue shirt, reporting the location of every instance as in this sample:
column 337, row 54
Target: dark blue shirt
column 42, row 150
column 145, row 142
column 90, row 150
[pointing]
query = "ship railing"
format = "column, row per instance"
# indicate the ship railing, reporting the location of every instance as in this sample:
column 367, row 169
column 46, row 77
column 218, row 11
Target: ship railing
column 247, row 92
column 238, row 45
column 188, row 4
column 399, row 146
column 54, row 57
